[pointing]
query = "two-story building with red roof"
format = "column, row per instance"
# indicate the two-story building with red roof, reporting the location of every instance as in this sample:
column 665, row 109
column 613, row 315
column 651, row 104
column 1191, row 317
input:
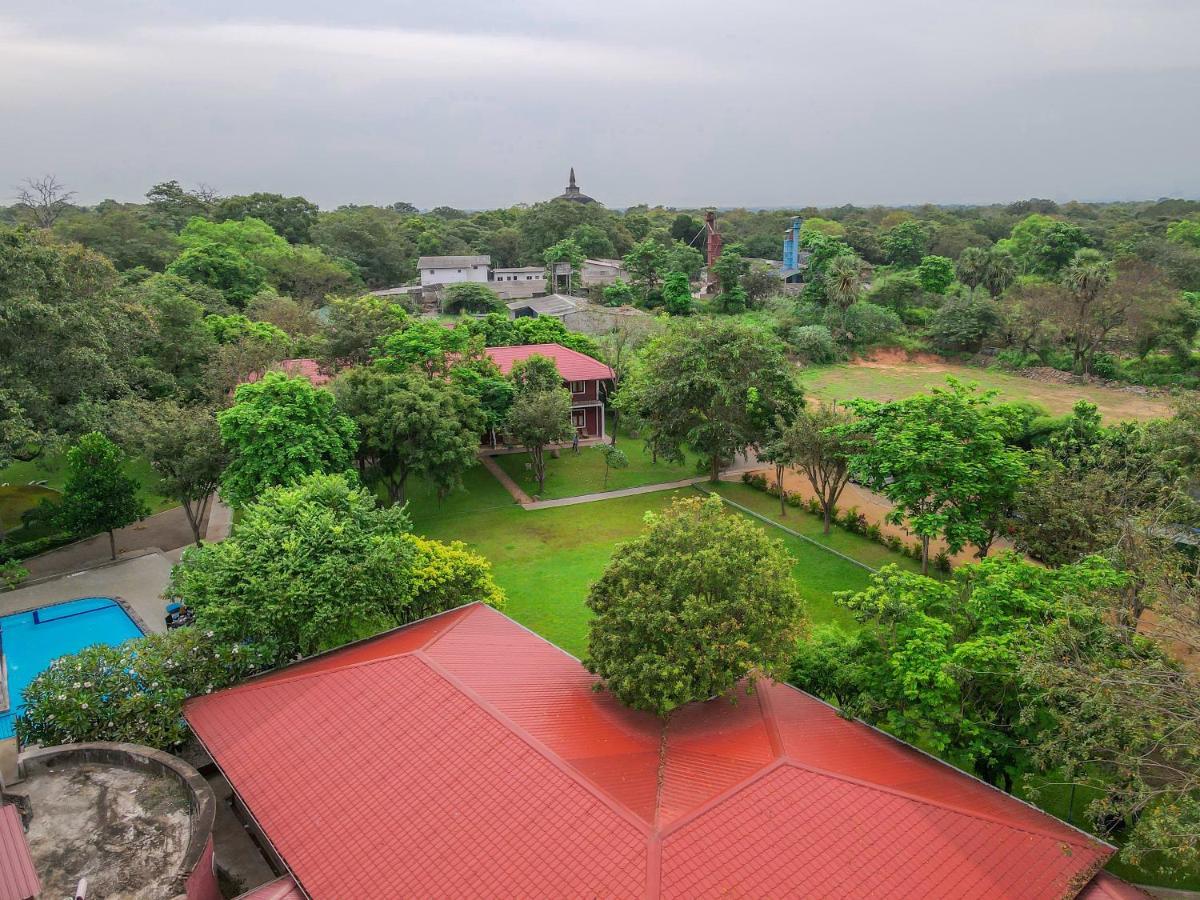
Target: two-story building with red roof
column 587, row 379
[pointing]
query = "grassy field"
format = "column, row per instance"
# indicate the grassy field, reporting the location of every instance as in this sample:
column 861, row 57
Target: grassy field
column 573, row 474
column 52, row 469
column 546, row 559
column 897, row 380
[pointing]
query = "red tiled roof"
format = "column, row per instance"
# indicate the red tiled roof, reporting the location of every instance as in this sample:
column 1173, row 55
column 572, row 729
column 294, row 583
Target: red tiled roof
column 1106, row 886
column 572, row 365
column 296, row 368
column 465, row 756
column 18, row 878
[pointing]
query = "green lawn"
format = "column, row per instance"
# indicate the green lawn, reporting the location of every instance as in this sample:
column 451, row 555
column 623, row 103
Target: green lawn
column 897, row 381
column 805, row 523
column 546, row 559
column 573, row 473
column 20, row 495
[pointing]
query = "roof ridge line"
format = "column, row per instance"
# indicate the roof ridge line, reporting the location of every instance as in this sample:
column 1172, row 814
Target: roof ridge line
column 258, row 681
column 951, row 807
column 537, row 746
column 717, row 799
column 929, row 756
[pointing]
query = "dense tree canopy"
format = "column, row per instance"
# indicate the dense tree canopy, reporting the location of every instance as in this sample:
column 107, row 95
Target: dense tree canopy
column 698, row 601
column 713, row 385
column 279, row 430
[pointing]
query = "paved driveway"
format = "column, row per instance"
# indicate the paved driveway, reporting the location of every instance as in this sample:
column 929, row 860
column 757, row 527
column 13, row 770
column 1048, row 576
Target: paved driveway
column 139, row 582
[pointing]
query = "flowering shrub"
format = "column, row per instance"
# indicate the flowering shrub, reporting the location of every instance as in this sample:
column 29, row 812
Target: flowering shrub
column 132, row 692
column 449, row 575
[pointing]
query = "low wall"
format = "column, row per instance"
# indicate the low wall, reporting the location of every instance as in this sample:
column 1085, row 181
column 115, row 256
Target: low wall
column 196, row 878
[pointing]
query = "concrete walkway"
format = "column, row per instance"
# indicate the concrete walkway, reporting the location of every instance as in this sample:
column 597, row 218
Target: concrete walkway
column 501, row 476
column 137, row 582
column 612, row 495
column 167, row 530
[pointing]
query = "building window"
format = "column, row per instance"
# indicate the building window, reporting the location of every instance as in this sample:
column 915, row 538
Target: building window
column 578, row 387
column 579, row 419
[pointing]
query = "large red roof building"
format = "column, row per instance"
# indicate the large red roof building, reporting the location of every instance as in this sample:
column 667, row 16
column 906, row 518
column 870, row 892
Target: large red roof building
column 584, row 377
column 463, row 756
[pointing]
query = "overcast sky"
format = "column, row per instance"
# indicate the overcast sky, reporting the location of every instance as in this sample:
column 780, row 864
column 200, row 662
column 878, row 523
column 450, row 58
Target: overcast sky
column 483, row 104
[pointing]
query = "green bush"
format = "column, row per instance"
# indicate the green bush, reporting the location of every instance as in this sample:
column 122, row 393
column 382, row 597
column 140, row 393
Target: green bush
column 132, row 692
column 315, row 565
column 813, row 343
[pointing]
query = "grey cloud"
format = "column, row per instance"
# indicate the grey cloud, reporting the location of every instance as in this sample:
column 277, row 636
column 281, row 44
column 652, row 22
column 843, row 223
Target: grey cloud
column 479, row 104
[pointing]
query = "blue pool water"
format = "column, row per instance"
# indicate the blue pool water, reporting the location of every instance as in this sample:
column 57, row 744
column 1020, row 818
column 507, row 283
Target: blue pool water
column 30, row 641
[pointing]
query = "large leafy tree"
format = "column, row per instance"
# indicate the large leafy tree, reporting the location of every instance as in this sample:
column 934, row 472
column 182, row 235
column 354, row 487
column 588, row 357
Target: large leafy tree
column 1042, row 245
column 943, row 665
column 698, row 601
column 183, row 446
column 677, row 294
column 942, row 459
column 906, row 243
column 820, row 443
column 1130, row 733
column 279, row 430
column 291, row 217
column 374, row 240
column 98, row 495
column 715, row 385
column 538, row 418
column 355, row 325
column 66, row 336
column 645, row 264
column 936, row 274
column 410, row 423
column 317, row 564
column 218, row 266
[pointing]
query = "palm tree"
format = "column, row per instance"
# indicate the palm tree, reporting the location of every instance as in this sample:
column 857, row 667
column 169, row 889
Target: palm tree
column 999, row 271
column 971, row 267
column 1088, row 274
column 843, row 280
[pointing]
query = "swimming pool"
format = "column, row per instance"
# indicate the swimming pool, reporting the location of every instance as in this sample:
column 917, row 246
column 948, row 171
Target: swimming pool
column 31, row 640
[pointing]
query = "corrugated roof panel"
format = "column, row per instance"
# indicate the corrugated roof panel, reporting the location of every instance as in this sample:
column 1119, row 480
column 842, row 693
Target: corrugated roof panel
column 572, row 365
column 387, row 777
column 796, row 833
column 18, row 878
column 483, row 764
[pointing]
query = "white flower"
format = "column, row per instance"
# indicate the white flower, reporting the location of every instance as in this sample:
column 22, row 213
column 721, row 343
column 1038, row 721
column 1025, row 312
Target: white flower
column 236, row 648
column 83, row 705
column 77, row 685
column 87, row 684
column 62, row 696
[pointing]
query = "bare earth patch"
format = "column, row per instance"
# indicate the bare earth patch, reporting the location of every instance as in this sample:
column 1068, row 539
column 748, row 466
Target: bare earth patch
column 894, row 375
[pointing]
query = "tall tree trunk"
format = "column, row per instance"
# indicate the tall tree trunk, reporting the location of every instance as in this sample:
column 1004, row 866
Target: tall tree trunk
column 715, row 471
column 112, row 544
column 826, row 508
column 193, row 520
column 779, row 484
column 925, row 554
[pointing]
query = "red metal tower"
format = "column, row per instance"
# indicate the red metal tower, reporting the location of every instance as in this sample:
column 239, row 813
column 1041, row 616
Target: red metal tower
column 713, row 245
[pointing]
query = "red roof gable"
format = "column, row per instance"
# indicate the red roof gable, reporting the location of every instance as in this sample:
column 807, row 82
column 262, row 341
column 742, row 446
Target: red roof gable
column 464, row 755
column 572, row 365
column 296, row 368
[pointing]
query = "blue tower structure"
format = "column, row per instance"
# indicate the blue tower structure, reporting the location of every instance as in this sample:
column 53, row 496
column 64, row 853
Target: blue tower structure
column 791, row 244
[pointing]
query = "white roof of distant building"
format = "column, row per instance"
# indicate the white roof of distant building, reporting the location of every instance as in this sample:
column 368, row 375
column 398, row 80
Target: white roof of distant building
column 515, row 269
column 397, row 291
column 613, row 263
column 453, row 262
